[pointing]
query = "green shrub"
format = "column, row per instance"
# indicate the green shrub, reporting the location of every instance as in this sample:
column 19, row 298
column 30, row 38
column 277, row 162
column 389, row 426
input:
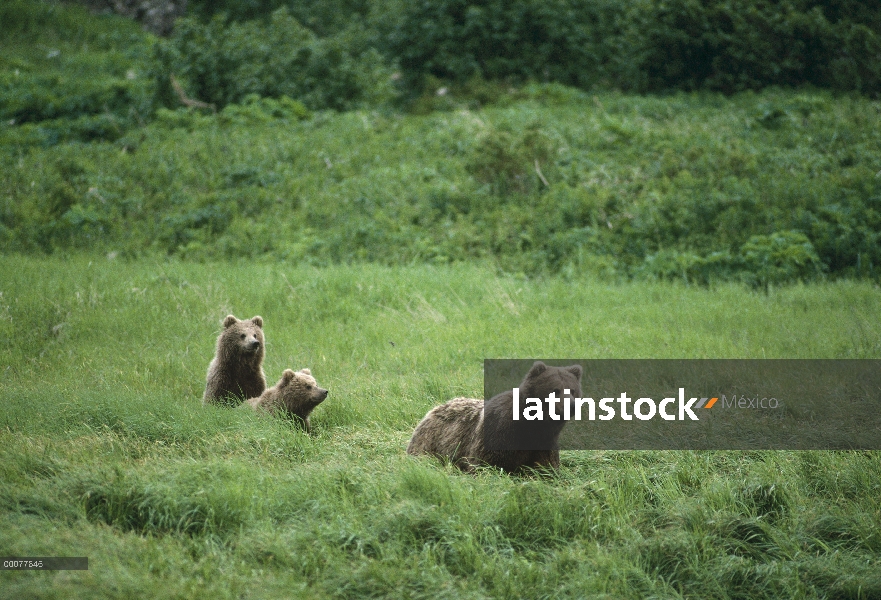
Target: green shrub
column 87, row 128
column 29, row 99
column 222, row 63
column 68, row 75
column 65, row 23
column 763, row 260
column 779, row 258
column 324, row 17
column 510, row 162
column 255, row 109
column 846, row 231
column 669, row 188
column 521, row 40
column 732, row 46
column 643, row 45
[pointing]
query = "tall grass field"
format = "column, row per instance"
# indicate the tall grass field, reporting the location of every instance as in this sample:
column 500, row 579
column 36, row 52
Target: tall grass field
column 106, row 451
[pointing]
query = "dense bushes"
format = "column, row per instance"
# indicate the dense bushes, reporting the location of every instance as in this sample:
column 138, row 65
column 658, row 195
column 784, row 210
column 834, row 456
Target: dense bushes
column 645, row 45
column 341, row 54
column 762, row 188
column 731, row 46
column 33, row 97
column 558, row 40
column 323, row 17
column 70, row 74
column 641, row 45
column 221, row 63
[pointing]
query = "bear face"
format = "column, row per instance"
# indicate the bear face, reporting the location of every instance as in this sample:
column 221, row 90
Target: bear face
column 501, row 433
column 242, row 337
column 541, row 380
column 295, row 396
column 298, row 392
column 236, row 372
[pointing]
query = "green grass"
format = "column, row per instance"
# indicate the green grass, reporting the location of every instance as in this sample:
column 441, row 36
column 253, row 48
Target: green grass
column 67, row 75
column 107, row 452
column 391, row 252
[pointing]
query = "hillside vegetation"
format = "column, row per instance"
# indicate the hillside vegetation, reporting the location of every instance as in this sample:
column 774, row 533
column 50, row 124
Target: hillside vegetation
column 768, row 187
column 763, row 187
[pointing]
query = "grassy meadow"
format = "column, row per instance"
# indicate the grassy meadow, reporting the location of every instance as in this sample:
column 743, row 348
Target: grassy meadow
column 107, row 452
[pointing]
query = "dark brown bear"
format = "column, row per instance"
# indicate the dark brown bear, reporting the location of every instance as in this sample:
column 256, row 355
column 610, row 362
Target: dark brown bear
column 472, row 432
column 236, row 372
column 294, row 396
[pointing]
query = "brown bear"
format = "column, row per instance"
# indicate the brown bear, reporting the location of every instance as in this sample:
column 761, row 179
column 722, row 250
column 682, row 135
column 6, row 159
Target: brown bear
column 294, row 396
column 472, row 432
column 236, row 372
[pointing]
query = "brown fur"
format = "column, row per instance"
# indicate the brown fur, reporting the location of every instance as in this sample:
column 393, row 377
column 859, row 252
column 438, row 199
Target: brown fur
column 294, row 396
column 236, row 372
column 457, row 430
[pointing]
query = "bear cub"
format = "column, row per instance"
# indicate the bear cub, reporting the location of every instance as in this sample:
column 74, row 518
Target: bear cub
column 294, row 396
column 472, row 432
column 236, row 372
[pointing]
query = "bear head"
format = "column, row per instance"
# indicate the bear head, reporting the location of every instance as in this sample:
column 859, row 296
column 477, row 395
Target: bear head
column 541, row 380
column 299, row 392
column 243, row 337
column 507, row 439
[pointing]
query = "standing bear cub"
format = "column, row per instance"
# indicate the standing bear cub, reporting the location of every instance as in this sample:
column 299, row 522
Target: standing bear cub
column 294, row 396
column 236, row 372
column 472, row 432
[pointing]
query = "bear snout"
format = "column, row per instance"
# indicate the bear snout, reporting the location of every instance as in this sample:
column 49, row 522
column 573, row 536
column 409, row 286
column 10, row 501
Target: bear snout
column 254, row 345
column 322, row 393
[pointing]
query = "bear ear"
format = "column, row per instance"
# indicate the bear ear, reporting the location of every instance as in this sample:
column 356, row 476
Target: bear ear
column 305, row 371
column 575, row 370
column 229, row 320
column 537, row 369
column 258, row 321
column 287, row 376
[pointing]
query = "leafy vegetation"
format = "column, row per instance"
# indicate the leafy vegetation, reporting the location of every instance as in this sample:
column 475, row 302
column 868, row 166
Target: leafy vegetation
column 638, row 45
column 220, row 64
column 67, row 75
column 323, row 17
column 643, row 45
column 547, row 180
column 107, row 452
column 398, row 207
column 97, row 153
column 731, row 46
